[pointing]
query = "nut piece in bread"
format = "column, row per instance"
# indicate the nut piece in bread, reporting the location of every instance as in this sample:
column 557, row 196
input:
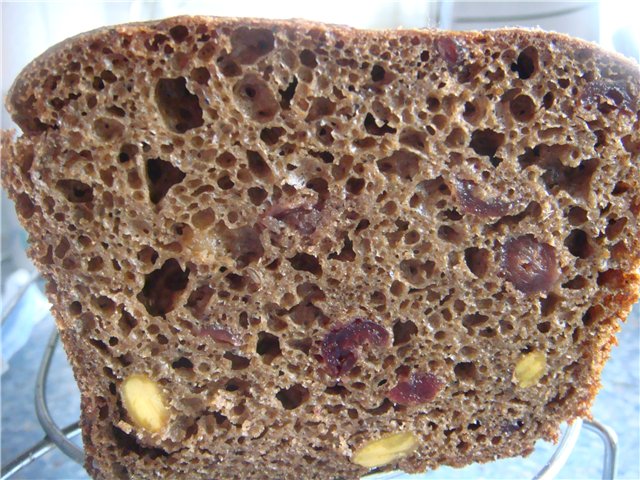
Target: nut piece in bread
column 144, row 402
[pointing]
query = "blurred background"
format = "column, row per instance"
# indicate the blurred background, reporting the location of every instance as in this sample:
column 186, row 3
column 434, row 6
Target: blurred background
column 30, row 27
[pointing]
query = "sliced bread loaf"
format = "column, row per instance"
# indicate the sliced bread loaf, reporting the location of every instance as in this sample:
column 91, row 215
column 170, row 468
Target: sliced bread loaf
column 281, row 249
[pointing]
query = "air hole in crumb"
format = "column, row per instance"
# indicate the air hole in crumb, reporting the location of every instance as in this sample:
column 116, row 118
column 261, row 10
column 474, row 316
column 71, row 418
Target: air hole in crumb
column 403, row 163
column 527, row 63
column 457, row 138
column 258, row 166
column 477, row 260
column 381, row 76
column 105, row 305
column 620, row 188
column 346, row 254
column 226, row 160
column 75, row 308
column 225, row 183
column 473, row 112
column 203, row 218
column 235, row 281
column 257, row 195
column 108, row 129
column 612, row 278
column 337, row 390
column 75, row 191
column 147, row 255
column 127, row 322
column 308, row 58
column 306, row 263
column 450, row 234
column 593, row 315
column 163, row 287
column 403, row 331
column 378, row 298
column 200, row 75
column 268, row 347
column 320, row 107
column 324, row 134
column 302, row 344
column 577, row 216
column 128, row 151
column 544, row 327
column 397, row 288
column 256, row 97
column 287, row 94
column 182, row 363
column 465, row 371
column 372, row 128
column 630, row 145
column 179, row 33
column 576, row 283
column 95, row 264
column 377, row 73
column 615, row 227
column 199, row 299
column 26, row 208
column 579, row 244
column 271, row 135
column 179, row 107
column 249, row 44
column 292, row 397
column 522, row 108
column 413, row 138
column 237, row 362
column 415, row 271
column 486, row 142
column 549, row 304
column 474, row 320
column 355, row 185
column 162, row 175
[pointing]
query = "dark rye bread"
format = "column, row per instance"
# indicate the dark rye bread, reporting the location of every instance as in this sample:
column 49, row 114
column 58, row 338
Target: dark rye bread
column 308, row 237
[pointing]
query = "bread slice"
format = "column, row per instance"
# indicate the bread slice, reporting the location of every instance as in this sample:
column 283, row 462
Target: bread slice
column 281, row 249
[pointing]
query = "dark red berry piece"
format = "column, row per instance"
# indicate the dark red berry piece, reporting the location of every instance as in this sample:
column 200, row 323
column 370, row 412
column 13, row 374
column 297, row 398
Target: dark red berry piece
column 448, row 49
column 340, row 346
column 219, row 335
column 475, row 206
column 612, row 93
column 419, row 388
column 303, row 219
column 530, row 265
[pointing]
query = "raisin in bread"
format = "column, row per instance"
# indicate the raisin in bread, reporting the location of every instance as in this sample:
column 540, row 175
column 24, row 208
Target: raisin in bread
column 280, row 249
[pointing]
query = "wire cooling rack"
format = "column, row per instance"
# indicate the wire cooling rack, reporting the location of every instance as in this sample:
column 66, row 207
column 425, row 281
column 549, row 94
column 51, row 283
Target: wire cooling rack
column 57, row 437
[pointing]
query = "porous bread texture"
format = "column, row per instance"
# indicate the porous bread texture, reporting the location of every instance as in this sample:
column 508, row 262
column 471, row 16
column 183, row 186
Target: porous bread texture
column 310, row 237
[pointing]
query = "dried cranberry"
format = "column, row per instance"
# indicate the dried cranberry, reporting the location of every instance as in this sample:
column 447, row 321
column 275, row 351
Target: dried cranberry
column 530, row 265
column 513, row 426
column 448, row 49
column 608, row 91
column 303, row 219
column 244, row 244
column 419, row 388
column 219, row 335
column 340, row 346
column 473, row 205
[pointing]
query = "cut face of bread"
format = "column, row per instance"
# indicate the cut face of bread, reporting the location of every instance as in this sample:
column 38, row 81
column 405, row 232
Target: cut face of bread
column 291, row 250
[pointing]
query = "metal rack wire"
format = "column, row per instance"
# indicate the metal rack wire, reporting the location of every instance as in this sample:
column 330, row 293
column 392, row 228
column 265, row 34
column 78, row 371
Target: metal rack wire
column 61, row 437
